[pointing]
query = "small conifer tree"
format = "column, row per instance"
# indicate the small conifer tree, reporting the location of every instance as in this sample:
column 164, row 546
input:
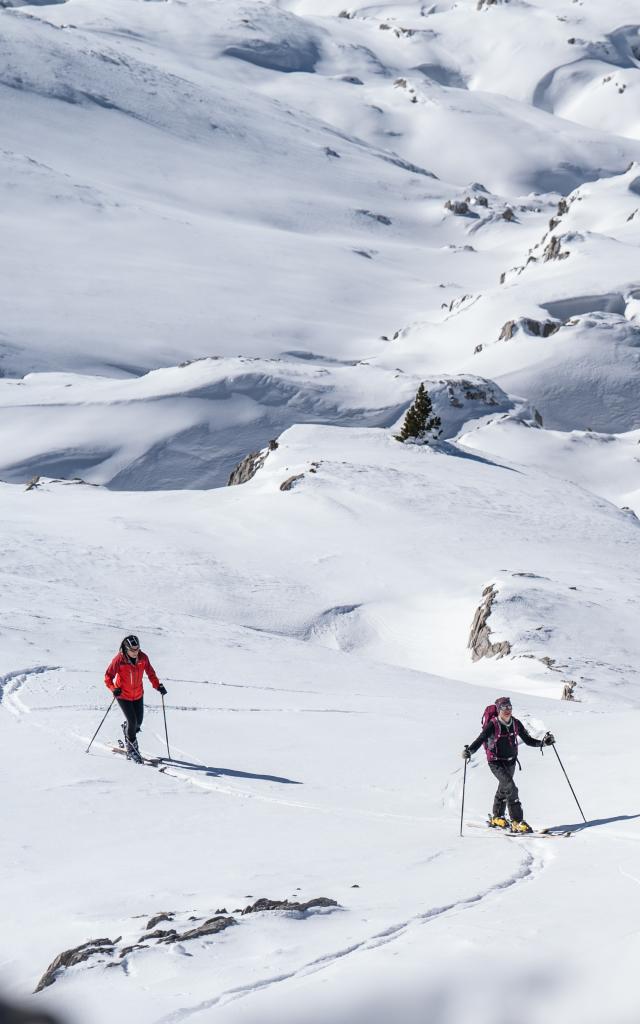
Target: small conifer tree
column 420, row 425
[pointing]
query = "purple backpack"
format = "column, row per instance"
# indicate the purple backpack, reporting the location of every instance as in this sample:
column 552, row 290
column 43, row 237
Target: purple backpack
column 490, row 714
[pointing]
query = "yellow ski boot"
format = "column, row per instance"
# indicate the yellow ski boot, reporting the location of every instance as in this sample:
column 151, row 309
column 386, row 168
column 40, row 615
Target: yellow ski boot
column 498, row 822
column 520, row 827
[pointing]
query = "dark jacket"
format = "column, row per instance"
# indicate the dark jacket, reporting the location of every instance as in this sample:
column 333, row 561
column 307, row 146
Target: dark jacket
column 506, row 748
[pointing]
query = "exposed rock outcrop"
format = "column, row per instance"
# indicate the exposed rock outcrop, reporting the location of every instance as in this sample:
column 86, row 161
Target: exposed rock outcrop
column 210, row 927
column 162, row 915
column 192, row 927
column 563, row 207
column 291, row 481
column 480, row 636
column 567, row 689
column 460, row 207
column 129, row 949
column 249, row 466
column 379, row 218
column 397, row 30
column 402, row 83
column 538, row 328
column 553, row 250
column 264, row 904
column 472, row 391
column 74, row 956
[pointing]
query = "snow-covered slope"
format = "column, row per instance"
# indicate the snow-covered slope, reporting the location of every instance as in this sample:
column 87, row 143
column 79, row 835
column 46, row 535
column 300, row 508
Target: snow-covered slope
column 234, row 223
column 295, row 748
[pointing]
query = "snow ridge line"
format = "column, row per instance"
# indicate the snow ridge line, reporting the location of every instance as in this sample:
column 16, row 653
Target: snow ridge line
column 12, row 683
column 530, row 867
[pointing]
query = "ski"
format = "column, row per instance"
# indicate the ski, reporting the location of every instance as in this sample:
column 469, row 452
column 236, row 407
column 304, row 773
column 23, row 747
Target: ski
column 152, row 762
column 563, row 833
column 541, row 833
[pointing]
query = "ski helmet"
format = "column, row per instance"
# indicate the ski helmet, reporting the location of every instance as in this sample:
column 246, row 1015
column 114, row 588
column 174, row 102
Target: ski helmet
column 502, row 703
column 131, row 642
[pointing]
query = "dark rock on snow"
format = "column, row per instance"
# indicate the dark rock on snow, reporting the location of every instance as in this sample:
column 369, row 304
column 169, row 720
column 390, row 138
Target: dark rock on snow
column 264, row 904
column 539, row 328
column 290, row 482
column 74, row 956
column 480, row 635
column 163, row 915
column 249, row 466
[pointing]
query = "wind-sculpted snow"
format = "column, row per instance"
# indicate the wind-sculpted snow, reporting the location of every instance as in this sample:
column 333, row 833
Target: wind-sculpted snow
column 588, row 378
column 189, row 426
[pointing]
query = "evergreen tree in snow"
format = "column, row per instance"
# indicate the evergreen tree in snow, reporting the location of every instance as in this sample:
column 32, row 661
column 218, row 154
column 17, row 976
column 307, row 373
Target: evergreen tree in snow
column 420, row 425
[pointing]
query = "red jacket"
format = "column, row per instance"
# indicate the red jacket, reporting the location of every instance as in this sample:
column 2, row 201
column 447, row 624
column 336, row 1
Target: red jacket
column 128, row 675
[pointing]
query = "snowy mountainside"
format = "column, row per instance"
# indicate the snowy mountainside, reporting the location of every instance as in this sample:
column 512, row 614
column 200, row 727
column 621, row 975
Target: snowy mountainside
column 357, row 491
column 256, row 227
column 219, row 135
column 302, row 764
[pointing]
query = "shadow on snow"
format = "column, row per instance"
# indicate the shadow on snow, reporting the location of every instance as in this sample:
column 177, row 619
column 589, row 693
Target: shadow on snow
column 215, row 772
column 580, row 826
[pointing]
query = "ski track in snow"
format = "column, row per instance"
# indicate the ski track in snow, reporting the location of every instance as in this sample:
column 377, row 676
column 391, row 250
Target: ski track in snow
column 12, row 683
column 530, row 868
column 166, row 768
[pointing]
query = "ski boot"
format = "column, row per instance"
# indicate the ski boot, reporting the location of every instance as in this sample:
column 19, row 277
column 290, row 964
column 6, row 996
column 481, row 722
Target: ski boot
column 497, row 822
column 131, row 749
column 520, row 827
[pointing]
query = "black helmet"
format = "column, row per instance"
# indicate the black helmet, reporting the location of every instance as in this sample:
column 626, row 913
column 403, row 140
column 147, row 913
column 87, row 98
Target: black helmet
column 130, row 643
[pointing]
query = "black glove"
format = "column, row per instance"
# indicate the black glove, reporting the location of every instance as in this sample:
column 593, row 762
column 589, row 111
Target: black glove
column 466, row 753
column 161, row 689
column 548, row 739
column 117, row 691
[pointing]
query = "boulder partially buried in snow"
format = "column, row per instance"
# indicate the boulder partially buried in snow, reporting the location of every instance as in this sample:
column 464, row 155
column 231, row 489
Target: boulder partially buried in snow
column 527, row 325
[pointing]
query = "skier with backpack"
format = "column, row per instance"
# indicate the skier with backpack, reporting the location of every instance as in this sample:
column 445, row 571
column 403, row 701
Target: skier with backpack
column 124, row 678
column 499, row 736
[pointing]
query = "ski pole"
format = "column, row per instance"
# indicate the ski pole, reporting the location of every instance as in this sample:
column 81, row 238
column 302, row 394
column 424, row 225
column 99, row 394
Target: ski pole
column 464, row 783
column 164, row 715
column 570, row 786
column 101, row 724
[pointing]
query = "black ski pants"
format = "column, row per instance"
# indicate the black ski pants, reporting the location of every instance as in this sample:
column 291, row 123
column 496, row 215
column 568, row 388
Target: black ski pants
column 134, row 713
column 507, row 791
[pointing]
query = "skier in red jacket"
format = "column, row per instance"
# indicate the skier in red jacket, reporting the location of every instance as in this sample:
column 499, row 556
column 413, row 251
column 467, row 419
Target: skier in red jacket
column 124, row 678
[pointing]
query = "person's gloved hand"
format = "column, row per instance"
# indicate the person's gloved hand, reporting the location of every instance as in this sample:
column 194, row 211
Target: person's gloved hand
column 548, row 739
column 466, row 753
column 117, row 691
column 162, row 689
